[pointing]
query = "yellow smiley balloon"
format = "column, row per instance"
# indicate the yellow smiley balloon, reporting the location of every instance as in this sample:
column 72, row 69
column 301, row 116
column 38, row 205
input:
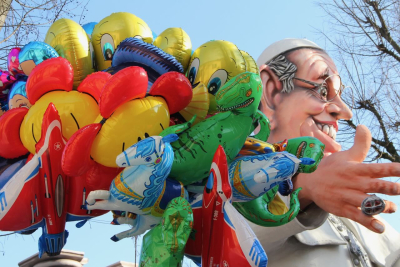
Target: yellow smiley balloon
column 131, row 122
column 175, row 42
column 71, row 42
column 214, row 63
column 76, row 110
column 110, row 31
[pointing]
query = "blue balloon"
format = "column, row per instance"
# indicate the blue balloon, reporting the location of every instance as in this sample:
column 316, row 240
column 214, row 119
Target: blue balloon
column 88, row 27
column 37, row 51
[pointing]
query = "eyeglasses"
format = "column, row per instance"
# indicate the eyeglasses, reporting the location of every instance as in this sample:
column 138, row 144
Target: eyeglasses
column 327, row 90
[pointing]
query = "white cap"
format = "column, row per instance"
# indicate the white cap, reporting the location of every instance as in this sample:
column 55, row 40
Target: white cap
column 283, row 46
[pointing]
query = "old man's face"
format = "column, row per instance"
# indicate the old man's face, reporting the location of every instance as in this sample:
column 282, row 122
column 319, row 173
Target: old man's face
column 302, row 112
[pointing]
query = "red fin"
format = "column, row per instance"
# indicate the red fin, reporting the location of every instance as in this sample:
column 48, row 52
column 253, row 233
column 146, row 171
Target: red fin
column 50, row 75
column 76, row 157
column 94, row 83
column 10, row 142
column 175, row 88
column 127, row 84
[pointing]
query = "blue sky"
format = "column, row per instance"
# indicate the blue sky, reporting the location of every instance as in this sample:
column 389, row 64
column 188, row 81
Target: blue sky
column 251, row 25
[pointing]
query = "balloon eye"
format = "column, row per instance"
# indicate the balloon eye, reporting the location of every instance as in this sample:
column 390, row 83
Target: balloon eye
column 193, row 70
column 107, row 46
column 217, row 80
column 214, row 85
column 248, row 93
column 148, row 159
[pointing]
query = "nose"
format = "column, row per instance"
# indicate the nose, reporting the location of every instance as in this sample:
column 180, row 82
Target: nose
column 338, row 109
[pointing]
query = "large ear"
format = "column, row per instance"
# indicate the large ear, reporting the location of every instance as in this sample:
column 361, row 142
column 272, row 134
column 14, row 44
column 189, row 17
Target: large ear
column 10, row 142
column 271, row 87
column 94, row 83
column 52, row 74
column 126, row 85
column 175, row 88
column 76, row 156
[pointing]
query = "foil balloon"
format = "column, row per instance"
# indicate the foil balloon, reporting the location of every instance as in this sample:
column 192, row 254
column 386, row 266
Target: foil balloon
column 164, row 245
column 17, row 97
column 135, row 52
column 6, row 81
column 142, row 187
column 214, row 63
column 49, row 82
column 175, row 42
column 89, row 27
column 309, row 147
column 71, row 42
column 33, row 54
column 134, row 115
column 227, row 239
column 13, row 62
column 112, row 30
column 238, row 101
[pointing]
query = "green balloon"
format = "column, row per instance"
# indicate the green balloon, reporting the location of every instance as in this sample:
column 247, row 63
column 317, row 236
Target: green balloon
column 309, row 147
column 237, row 102
column 164, row 245
column 258, row 213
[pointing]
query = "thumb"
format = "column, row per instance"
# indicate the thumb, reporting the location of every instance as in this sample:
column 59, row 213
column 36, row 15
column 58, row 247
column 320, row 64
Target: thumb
column 362, row 142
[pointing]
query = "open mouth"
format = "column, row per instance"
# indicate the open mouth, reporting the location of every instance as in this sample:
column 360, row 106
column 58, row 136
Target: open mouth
column 241, row 105
column 328, row 129
column 23, row 105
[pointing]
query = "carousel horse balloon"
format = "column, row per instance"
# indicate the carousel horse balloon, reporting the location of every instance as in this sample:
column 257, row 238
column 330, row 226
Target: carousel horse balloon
column 110, row 31
column 33, row 54
column 142, row 187
column 71, row 42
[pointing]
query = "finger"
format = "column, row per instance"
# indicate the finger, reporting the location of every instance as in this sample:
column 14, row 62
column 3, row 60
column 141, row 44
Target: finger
column 380, row 186
column 355, row 198
column 376, row 170
column 362, row 142
column 356, row 215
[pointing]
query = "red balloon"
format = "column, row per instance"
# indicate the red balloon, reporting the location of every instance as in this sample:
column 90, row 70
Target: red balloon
column 10, row 143
column 93, row 84
column 126, row 85
column 175, row 88
column 50, row 75
column 76, row 156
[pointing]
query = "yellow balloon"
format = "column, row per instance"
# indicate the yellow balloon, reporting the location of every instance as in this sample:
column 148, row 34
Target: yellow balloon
column 71, row 42
column 175, row 42
column 131, row 122
column 76, row 110
column 214, row 64
column 112, row 30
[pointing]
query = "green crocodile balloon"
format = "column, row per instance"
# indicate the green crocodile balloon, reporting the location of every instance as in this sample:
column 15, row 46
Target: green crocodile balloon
column 237, row 102
column 164, row 245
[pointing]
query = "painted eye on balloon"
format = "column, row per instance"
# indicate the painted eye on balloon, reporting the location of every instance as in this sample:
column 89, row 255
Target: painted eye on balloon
column 193, row 69
column 148, row 159
column 217, row 80
column 107, row 46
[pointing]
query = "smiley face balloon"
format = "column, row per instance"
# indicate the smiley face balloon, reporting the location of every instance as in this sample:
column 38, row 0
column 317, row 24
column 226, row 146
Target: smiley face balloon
column 110, row 31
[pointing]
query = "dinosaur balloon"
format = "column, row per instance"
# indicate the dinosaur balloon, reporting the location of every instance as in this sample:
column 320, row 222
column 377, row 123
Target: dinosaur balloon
column 238, row 102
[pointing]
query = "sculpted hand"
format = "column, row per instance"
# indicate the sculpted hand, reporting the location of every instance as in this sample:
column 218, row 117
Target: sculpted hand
column 341, row 182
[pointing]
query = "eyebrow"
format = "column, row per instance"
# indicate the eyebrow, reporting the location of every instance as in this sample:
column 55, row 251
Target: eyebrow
column 103, row 23
column 324, row 74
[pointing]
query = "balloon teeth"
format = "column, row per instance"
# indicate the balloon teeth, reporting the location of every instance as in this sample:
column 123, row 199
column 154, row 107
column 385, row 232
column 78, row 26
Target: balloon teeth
column 242, row 105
